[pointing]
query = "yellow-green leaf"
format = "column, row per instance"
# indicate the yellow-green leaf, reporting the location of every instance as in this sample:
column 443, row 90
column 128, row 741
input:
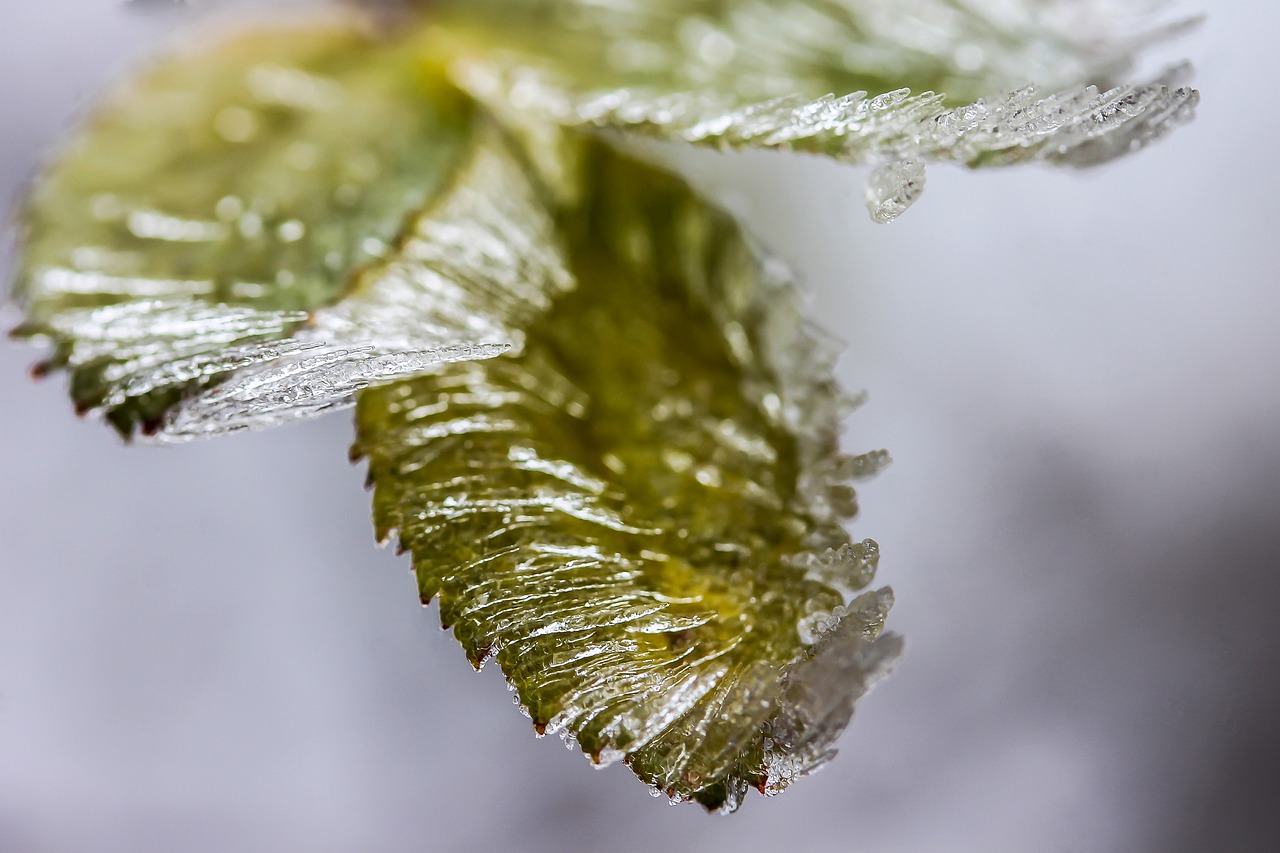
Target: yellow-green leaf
column 638, row 513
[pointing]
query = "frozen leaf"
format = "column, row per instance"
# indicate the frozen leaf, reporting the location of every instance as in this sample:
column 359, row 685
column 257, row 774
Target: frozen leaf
column 638, row 514
column 211, row 214
column 993, row 83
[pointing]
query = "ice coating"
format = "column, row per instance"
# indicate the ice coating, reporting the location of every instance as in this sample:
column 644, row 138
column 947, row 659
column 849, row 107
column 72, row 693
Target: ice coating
column 852, row 565
column 638, row 514
column 467, row 276
column 848, row 659
column 479, row 263
column 1079, row 126
column 306, row 382
column 973, row 83
column 213, row 203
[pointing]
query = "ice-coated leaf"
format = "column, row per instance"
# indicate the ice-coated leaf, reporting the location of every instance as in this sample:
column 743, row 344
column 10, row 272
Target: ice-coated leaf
column 211, row 214
column 478, row 264
column 993, row 83
column 638, row 512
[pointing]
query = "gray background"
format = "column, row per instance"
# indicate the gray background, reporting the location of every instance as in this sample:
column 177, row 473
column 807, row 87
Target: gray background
column 201, row 650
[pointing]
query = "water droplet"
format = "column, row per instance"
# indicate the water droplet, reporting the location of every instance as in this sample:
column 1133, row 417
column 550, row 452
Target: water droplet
column 302, row 156
column 229, row 208
column 235, row 124
column 893, row 188
column 716, row 48
column 969, row 57
column 291, row 231
column 251, row 225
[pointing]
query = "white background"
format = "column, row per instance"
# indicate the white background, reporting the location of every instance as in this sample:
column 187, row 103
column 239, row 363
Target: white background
column 1077, row 374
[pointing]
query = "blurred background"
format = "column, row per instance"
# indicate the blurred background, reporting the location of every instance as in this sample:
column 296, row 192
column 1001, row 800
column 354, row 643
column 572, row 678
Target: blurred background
column 1078, row 375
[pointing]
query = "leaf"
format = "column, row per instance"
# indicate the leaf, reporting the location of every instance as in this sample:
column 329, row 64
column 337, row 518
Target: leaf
column 753, row 73
column 211, row 215
column 479, row 263
column 638, row 513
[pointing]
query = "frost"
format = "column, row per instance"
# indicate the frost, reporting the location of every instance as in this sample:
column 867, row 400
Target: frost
column 638, row 511
column 156, row 345
column 852, row 565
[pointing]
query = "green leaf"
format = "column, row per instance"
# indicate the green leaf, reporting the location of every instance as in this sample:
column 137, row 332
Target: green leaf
column 830, row 77
column 216, row 202
column 638, row 512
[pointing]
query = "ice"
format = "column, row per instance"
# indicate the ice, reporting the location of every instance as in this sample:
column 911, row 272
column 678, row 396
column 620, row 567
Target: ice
column 467, row 276
column 864, row 465
column 852, row 565
column 310, row 380
column 819, row 696
column 893, row 188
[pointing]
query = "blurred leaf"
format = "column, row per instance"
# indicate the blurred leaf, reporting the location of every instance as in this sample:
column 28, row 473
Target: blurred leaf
column 215, row 201
column 638, row 513
column 830, row 77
